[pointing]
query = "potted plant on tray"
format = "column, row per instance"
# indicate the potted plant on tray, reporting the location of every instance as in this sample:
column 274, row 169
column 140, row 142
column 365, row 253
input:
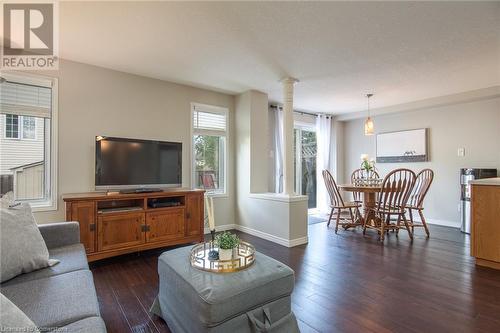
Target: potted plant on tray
column 226, row 242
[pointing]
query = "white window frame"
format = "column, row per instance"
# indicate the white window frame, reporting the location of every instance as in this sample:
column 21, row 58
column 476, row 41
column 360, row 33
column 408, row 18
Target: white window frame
column 215, row 109
column 20, row 129
column 49, row 203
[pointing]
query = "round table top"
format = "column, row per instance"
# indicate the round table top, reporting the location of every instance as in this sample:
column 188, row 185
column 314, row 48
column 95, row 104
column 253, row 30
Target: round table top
column 355, row 188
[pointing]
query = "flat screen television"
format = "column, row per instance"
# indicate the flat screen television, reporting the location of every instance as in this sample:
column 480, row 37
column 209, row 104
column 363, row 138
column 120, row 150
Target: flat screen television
column 122, row 164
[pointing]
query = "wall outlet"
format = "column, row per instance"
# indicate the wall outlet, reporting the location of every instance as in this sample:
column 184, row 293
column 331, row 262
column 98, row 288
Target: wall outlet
column 461, row 152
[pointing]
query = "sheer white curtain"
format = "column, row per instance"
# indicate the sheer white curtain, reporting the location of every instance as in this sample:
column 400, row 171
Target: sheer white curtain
column 324, row 138
column 278, row 149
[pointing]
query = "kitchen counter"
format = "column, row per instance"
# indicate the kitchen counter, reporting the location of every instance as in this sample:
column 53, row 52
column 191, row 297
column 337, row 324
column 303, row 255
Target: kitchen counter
column 486, row 181
column 485, row 218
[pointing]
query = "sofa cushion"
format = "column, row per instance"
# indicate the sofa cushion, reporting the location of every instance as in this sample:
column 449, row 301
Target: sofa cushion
column 56, row 301
column 214, row 298
column 12, row 319
column 72, row 258
column 87, row 325
column 22, row 248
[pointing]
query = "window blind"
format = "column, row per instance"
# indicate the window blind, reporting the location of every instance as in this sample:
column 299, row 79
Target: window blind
column 25, row 100
column 207, row 121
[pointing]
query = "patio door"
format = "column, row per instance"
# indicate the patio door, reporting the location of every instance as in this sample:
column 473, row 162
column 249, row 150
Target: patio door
column 305, row 163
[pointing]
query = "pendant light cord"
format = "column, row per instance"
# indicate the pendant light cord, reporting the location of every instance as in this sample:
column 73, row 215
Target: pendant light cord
column 368, row 103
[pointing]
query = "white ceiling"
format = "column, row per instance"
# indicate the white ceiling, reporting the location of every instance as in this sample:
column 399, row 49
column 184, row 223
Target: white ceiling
column 401, row 51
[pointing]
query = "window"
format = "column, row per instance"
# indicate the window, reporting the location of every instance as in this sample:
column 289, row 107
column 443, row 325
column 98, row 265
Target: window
column 28, row 142
column 12, row 126
column 20, row 127
column 28, row 128
column 209, row 148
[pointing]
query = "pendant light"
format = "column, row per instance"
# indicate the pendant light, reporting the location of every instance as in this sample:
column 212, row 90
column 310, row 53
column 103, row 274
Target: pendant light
column 368, row 121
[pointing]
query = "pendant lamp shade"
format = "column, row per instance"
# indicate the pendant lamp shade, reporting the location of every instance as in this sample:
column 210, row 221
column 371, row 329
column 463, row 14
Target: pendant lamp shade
column 368, row 126
column 369, row 122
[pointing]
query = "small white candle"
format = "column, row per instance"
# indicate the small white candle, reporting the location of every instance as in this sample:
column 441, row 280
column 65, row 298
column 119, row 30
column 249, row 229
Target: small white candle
column 209, row 214
column 210, row 209
column 207, row 208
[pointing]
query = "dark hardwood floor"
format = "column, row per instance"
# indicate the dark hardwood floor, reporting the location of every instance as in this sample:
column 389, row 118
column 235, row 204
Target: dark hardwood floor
column 344, row 283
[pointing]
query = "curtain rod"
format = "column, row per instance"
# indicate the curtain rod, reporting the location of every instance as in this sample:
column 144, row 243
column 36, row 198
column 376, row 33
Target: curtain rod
column 273, row 106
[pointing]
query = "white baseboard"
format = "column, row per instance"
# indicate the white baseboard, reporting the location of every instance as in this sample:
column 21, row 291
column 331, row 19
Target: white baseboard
column 298, row 241
column 260, row 234
column 443, row 223
column 272, row 238
column 222, row 228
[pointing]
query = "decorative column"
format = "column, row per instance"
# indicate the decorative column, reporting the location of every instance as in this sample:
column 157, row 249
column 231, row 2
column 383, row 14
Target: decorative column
column 288, row 157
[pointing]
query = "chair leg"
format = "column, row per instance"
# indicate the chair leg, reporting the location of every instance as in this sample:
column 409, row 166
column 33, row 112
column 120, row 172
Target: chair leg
column 366, row 215
column 407, row 227
column 358, row 217
column 411, row 220
column 364, row 227
column 398, row 225
column 382, row 233
column 330, row 218
column 337, row 222
column 352, row 217
column 422, row 218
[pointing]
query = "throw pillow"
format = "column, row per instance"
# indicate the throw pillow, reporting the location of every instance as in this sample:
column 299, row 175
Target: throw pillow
column 22, row 248
column 12, row 319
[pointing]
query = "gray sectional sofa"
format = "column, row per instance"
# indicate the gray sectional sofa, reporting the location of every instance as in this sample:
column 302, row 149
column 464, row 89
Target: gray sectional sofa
column 61, row 297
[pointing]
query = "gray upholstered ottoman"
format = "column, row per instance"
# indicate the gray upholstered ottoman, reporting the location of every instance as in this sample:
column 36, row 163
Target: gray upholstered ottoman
column 253, row 300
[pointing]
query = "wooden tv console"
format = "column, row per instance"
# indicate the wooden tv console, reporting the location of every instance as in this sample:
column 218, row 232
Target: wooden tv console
column 113, row 223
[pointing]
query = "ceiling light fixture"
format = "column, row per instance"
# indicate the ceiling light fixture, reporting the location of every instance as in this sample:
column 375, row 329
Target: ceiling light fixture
column 368, row 121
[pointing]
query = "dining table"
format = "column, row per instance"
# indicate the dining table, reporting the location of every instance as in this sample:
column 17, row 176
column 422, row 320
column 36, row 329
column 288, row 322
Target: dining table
column 369, row 193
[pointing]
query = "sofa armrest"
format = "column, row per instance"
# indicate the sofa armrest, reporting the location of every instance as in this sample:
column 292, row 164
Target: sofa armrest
column 60, row 234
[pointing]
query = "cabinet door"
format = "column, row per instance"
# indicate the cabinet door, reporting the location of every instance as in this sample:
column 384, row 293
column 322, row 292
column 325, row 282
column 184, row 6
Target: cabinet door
column 120, row 231
column 165, row 225
column 194, row 214
column 485, row 233
column 84, row 213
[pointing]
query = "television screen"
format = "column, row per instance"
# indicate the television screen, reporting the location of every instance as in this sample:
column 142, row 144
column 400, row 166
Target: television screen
column 129, row 163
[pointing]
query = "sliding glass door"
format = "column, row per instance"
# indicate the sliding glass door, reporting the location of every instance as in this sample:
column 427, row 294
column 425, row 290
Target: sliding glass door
column 305, row 163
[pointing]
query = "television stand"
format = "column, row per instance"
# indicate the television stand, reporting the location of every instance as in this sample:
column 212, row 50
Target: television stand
column 141, row 190
column 112, row 224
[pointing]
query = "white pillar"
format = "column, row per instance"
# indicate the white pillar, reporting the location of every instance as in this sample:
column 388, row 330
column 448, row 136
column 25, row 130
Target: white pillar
column 288, row 157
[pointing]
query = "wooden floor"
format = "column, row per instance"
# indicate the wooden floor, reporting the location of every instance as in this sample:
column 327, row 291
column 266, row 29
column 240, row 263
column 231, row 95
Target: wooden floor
column 344, row 283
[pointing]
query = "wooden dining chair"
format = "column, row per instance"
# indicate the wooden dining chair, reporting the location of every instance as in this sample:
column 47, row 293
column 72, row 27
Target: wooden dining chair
column 416, row 200
column 392, row 200
column 337, row 204
column 360, row 174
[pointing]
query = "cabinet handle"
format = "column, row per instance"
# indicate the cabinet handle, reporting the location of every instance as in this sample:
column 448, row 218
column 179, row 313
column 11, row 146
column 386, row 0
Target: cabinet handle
column 188, row 215
column 92, row 227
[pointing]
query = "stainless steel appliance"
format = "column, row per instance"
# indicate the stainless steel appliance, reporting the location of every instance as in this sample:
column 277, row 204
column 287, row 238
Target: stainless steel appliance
column 466, row 175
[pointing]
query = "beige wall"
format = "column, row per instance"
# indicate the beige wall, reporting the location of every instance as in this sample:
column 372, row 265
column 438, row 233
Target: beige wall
column 474, row 126
column 97, row 101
